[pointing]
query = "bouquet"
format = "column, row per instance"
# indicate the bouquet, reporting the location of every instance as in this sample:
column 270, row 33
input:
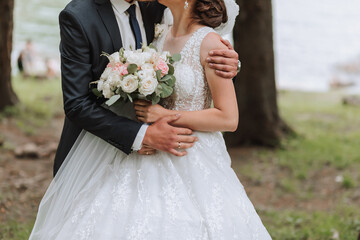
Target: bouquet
column 137, row 74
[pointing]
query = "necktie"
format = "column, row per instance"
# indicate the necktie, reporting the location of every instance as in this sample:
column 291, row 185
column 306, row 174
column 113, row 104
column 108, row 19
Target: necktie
column 135, row 25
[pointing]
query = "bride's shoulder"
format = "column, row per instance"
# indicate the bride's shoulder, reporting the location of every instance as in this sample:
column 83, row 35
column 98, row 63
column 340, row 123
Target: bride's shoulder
column 212, row 41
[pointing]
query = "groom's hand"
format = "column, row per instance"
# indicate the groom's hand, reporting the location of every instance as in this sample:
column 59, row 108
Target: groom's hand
column 224, row 61
column 146, row 150
column 164, row 137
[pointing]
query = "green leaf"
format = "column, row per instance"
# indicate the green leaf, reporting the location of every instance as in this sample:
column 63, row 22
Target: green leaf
column 130, row 98
column 149, row 97
column 125, row 97
column 123, row 94
column 158, row 90
column 152, row 46
column 132, row 68
column 176, row 57
column 171, row 81
column 112, row 100
column 166, row 90
column 165, row 78
column 158, row 75
column 155, row 100
column 171, row 69
column 96, row 92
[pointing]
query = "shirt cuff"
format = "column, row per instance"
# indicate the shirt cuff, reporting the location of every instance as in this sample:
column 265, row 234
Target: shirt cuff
column 139, row 138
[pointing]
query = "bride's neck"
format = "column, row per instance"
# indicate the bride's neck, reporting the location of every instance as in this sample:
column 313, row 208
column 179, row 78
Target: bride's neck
column 182, row 21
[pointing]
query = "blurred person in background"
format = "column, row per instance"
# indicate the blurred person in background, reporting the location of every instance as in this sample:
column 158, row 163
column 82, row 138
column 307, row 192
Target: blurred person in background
column 32, row 64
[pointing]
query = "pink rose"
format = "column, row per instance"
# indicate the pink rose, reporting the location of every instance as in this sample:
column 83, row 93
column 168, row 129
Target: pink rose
column 121, row 68
column 162, row 65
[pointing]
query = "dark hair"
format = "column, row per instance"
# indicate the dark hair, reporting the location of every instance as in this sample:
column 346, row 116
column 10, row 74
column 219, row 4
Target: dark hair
column 210, row 12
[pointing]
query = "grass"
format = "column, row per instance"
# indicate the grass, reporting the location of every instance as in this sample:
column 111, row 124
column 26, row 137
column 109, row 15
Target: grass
column 13, row 230
column 40, row 101
column 328, row 139
column 329, row 132
column 341, row 224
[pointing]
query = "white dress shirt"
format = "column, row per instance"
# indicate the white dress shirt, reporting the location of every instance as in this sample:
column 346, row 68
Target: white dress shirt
column 122, row 18
column 128, row 42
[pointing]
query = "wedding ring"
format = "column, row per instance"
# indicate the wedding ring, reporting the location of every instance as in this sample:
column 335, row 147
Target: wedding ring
column 179, row 145
column 238, row 66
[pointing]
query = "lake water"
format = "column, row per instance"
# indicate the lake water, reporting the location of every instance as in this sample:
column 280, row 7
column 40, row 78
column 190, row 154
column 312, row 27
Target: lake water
column 311, row 37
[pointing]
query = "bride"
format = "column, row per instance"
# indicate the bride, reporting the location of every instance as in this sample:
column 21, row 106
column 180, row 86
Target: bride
column 102, row 193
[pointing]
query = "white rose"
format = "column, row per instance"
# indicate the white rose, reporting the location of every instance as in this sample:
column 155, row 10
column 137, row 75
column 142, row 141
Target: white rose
column 116, row 57
column 129, row 84
column 114, row 80
column 146, row 73
column 147, row 66
column 106, row 73
column 147, row 56
column 135, row 58
column 149, row 50
column 107, row 92
column 127, row 53
column 165, row 55
column 155, row 57
column 148, row 86
column 100, row 85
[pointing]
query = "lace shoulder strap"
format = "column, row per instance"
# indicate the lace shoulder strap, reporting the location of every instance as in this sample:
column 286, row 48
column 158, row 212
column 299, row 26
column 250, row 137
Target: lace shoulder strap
column 191, row 52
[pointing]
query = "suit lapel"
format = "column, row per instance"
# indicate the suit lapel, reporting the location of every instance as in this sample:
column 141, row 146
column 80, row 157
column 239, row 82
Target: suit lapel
column 107, row 15
column 148, row 24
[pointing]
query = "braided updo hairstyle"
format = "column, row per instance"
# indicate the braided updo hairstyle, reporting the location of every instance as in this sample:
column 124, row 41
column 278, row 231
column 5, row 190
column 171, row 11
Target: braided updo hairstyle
column 210, row 13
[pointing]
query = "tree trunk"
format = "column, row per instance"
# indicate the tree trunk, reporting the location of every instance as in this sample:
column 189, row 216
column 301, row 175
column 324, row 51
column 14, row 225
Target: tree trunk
column 259, row 123
column 7, row 95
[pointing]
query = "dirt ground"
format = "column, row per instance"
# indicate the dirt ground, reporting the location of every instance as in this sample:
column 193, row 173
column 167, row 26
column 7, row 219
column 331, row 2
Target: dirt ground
column 23, row 181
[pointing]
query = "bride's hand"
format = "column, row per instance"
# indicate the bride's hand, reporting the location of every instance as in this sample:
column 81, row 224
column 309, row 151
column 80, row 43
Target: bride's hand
column 148, row 113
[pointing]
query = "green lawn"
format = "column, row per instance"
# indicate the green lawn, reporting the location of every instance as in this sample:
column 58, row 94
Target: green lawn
column 293, row 224
column 303, row 170
column 40, row 100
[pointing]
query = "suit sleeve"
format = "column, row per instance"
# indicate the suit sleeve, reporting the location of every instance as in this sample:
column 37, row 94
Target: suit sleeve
column 80, row 105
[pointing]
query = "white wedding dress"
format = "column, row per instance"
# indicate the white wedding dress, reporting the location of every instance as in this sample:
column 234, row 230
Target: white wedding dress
column 100, row 193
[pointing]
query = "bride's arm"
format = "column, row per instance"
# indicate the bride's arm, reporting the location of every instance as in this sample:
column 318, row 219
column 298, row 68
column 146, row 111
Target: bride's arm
column 224, row 115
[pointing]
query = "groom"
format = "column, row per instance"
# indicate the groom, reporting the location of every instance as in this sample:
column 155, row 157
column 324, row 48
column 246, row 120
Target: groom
column 89, row 27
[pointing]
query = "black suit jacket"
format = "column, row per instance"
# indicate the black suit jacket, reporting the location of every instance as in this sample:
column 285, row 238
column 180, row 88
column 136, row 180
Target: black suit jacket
column 88, row 27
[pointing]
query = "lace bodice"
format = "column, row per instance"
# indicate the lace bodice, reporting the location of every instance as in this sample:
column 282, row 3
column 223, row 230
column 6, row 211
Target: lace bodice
column 191, row 92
